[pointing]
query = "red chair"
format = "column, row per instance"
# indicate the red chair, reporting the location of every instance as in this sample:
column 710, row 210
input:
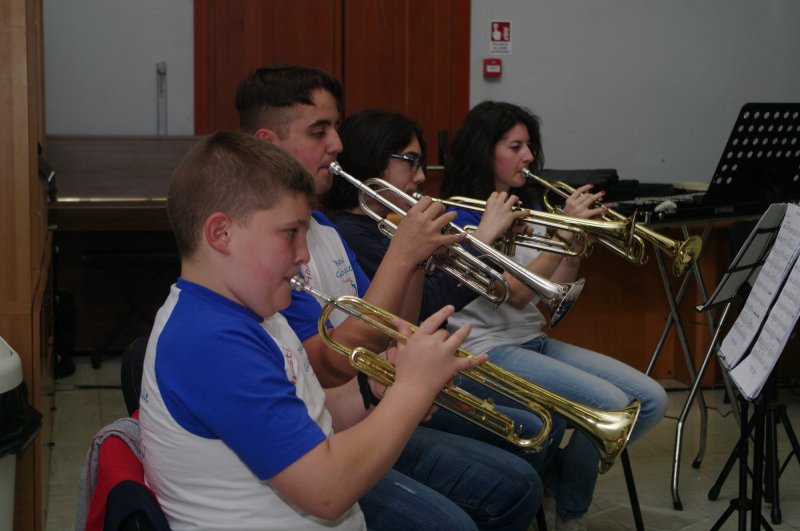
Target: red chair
column 120, row 500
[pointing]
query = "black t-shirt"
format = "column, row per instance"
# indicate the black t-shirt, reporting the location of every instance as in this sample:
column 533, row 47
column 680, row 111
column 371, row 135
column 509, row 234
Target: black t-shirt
column 365, row 239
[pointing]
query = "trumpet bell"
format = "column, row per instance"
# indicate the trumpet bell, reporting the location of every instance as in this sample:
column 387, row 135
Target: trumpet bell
column 613, row 430
column 686, row 253
column 559, row 306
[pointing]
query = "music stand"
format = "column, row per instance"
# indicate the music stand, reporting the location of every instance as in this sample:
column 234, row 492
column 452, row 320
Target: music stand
column 735, row 285
column 759, row 165
column 742, row 270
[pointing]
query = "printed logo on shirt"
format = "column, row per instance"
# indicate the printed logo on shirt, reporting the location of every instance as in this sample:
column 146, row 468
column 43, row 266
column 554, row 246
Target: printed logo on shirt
column 344, row 272
column 303, row 356
column 288, row 357
column 343, row 267
column 306, row 274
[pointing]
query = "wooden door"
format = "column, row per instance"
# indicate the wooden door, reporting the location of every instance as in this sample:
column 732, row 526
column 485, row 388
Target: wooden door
column 410, row 56
column 24, row 256
column 232, row 37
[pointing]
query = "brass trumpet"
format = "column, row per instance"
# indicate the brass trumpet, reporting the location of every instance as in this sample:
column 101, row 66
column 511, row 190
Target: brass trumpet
column 620, row 232
column 609, row 431
column 684, row 253
column 557, row 298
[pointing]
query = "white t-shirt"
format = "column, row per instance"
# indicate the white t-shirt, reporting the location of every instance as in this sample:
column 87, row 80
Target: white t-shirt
column 504, row 325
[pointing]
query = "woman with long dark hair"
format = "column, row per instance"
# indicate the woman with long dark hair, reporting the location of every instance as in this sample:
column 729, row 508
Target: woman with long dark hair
column 494, row 143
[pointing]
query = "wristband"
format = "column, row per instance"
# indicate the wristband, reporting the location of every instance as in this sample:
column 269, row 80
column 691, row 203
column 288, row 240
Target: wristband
column 366, row 391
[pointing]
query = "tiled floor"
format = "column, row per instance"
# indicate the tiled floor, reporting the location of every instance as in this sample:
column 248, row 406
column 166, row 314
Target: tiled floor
column 83, row 406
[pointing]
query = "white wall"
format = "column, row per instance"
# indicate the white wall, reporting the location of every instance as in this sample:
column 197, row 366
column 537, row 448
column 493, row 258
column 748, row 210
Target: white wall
column 650, row 87
column 100, row 65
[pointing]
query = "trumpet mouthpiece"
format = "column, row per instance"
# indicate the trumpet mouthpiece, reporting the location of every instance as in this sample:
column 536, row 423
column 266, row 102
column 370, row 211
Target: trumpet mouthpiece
column 297, row 282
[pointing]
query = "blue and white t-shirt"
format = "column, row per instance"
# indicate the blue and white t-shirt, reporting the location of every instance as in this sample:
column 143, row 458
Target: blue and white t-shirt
column 333, row 270
column 228, row 401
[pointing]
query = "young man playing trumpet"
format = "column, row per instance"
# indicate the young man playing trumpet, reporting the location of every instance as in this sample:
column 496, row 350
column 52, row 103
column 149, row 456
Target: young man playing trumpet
column 439, row 478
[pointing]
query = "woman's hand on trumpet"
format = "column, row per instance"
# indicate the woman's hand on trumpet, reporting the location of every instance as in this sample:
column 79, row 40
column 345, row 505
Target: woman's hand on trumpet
column 582, row 203
column 500, row 215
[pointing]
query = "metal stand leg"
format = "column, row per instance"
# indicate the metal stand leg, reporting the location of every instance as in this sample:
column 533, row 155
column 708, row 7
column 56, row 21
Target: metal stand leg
column 757, row 427
column 776, row 414
column 674, row 301
column 676, row 501
column 687, row 355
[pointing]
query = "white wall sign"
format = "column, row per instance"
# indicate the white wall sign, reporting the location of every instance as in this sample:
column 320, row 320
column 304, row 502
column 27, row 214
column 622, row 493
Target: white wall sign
column 500, row 37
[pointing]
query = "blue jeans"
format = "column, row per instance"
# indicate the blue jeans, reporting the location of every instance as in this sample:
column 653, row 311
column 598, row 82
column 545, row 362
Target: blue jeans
column 528, row 425
column 586, row 377
column 443, row 481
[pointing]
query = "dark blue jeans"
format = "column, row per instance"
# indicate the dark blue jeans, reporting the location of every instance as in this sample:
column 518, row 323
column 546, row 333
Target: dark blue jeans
column 444, row 481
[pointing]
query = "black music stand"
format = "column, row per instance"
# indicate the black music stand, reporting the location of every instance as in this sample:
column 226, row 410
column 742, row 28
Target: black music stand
column 759, row 164
column 758, row 167
column 771, row 414
column 735, row 285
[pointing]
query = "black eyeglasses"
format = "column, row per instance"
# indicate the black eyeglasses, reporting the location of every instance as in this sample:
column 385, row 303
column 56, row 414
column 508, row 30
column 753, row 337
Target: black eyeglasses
column 415, row 161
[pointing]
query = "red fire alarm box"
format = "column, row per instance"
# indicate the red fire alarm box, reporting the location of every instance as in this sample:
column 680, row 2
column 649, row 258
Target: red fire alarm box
column 492, row 67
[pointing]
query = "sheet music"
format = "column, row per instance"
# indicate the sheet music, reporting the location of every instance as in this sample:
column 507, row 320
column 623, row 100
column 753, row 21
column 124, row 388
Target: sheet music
column 767, row 286
column 750, row 375
column 749, row 254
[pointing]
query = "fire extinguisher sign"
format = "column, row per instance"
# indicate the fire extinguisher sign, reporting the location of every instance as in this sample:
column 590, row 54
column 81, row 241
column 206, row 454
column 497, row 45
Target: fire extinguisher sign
column 500, row 37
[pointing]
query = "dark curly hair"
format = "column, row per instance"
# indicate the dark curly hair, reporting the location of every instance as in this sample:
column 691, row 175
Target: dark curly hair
column 469, row 170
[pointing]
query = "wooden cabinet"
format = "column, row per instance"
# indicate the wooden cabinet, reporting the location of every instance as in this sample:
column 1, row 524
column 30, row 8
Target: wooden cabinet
column 24, row 240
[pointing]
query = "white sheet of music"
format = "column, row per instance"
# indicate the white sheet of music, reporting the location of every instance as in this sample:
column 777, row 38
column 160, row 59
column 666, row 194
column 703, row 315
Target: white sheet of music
column 750, row 375
column 766, row 288
column 750, row 253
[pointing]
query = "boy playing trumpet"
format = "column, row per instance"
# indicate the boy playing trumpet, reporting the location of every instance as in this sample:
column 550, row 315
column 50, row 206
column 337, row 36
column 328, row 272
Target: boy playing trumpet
column 237, row 431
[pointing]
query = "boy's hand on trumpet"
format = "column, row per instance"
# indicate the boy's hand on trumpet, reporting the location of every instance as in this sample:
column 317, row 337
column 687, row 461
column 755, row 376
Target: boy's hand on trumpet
column 428, row 361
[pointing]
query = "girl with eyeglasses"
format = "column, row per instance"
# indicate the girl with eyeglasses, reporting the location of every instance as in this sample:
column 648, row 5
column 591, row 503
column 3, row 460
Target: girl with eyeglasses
column 390, row 146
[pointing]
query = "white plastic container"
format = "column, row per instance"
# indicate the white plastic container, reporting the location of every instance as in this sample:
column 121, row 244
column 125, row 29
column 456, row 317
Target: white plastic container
column 10, row 379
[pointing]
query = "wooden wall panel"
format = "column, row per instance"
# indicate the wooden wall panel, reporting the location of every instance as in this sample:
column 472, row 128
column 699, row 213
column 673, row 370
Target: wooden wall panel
column 234, row 37
column 23, row 223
